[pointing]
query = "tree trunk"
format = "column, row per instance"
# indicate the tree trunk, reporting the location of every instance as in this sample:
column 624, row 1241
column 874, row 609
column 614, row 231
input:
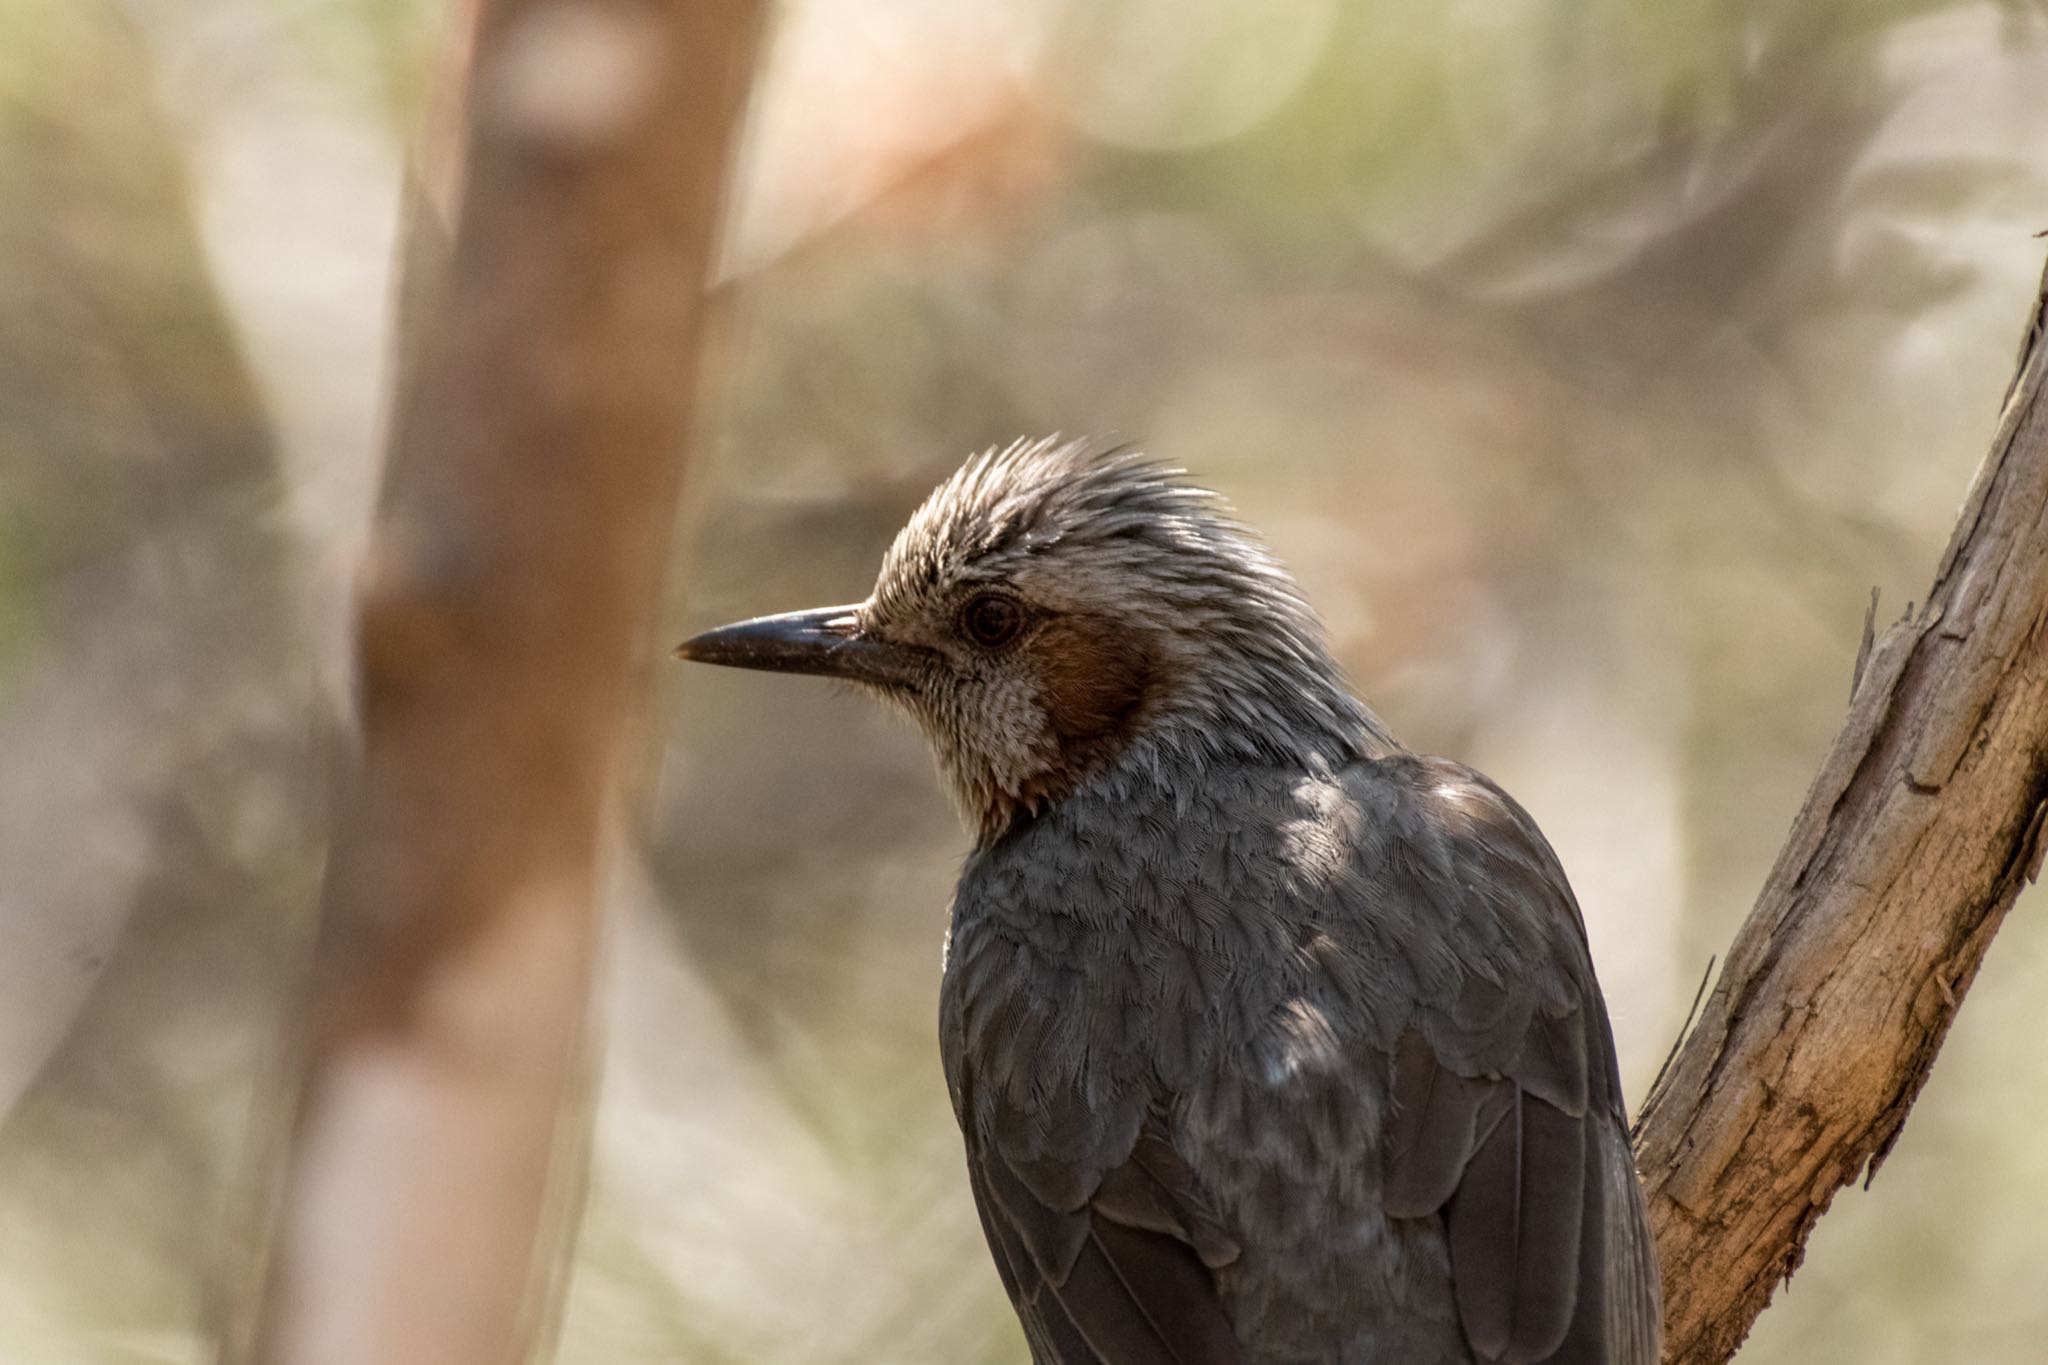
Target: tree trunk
column 501, row 642
column 1923, row 825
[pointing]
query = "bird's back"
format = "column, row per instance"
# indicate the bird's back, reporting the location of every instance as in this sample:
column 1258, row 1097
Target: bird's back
column 1289, row 1065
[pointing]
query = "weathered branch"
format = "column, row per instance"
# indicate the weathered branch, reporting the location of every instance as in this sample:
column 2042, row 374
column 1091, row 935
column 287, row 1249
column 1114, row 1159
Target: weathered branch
column 1923, row 825
column 516, row 562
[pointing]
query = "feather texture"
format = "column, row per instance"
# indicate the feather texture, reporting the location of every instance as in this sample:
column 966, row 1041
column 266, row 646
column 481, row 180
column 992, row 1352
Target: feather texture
column 1403, row 1126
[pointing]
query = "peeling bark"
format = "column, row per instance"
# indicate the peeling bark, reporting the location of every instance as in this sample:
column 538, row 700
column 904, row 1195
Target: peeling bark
column 1925, row 822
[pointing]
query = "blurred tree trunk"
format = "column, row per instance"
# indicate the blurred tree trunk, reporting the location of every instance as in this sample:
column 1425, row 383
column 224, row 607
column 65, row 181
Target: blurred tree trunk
column 501, row 629
column 1920, row 831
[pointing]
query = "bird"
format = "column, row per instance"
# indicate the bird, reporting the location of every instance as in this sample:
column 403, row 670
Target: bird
column 1271, row 1041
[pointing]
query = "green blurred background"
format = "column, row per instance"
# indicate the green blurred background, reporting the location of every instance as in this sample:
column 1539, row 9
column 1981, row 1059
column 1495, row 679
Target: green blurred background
column 1589, row 361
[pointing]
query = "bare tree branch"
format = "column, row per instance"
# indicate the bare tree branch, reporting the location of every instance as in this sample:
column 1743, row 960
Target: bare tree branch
column 1918, row 834
column 523, row 528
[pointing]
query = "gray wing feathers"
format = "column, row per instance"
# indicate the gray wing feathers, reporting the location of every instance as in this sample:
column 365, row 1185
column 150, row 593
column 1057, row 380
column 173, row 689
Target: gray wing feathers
column 1516, row 1218
column 1094, row 1289
column 1516, row 1181
column 1507, row 1118
column 1453, row 954
column 1635, row 1300
column 1436, row 1112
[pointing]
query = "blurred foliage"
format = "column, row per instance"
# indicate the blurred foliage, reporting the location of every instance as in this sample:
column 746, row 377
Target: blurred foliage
column 1590, row 363
column 155, row 819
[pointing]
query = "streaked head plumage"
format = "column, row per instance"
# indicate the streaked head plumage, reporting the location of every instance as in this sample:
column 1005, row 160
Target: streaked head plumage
column 1064, row 611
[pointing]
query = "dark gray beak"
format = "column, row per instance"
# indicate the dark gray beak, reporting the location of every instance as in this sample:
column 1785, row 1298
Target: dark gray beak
column 826, row 641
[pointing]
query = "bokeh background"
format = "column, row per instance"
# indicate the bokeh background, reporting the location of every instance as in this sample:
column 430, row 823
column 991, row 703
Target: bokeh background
column 1590, row 361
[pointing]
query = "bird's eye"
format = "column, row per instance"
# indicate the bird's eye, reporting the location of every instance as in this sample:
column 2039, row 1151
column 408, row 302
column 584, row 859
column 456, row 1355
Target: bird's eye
column 991, row 620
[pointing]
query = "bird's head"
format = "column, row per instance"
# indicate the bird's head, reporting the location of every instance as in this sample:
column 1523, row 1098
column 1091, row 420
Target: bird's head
column 1055, row 611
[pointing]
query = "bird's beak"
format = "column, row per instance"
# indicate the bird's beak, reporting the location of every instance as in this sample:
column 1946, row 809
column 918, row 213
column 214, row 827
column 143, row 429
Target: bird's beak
column 826, row 641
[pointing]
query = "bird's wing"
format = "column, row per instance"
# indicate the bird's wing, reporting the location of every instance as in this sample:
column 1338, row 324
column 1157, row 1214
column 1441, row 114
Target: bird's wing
column 1100, row 1232
column 1103, row 1265
column 1507, row 1120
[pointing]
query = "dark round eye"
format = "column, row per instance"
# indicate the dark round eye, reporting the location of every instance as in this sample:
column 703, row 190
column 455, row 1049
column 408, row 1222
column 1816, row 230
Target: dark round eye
column 991, row 620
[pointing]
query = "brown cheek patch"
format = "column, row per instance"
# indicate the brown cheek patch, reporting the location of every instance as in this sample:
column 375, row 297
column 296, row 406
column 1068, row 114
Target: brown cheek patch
column 1094, row 678
column 1096, row 682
